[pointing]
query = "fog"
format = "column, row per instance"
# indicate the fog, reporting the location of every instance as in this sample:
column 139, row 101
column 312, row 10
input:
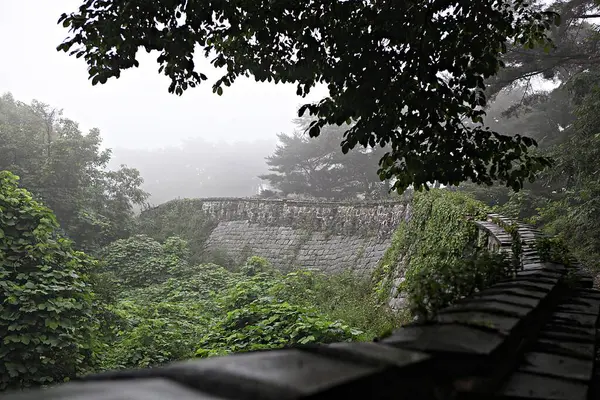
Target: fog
column 135, row 111
column 195, row 145
column 199, row 168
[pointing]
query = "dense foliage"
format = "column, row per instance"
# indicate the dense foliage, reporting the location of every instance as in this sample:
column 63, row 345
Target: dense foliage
column 206, row 310
column 66, row 169
column 140, row 261
column 576, row 49
column 434, row 259
column 45, row 295
column 564, row 120
column 408, row 74
column 572, row 212
column 183, row 218
column 563, row 200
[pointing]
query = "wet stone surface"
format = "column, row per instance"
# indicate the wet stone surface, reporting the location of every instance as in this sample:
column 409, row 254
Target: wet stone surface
column 577, row 320
column 569, row 333
column 505, row 298
column 571, row 349
column 446, row 338
column 539, row 275
column 488, row 320
column 372, row 353
column 141, row 389
column 289, row 372
column 578, row 307
column 523, row 385
column 491, row 306
column 513, row 290
column 529, row 286
column 558, row 366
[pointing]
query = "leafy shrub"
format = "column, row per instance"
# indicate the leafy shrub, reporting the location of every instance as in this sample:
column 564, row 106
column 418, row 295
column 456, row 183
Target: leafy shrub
column 446, row 280
column 350, row 299
column 176, row 247
column 267, row 324
column 45, row 297
column 183, row 218
column 221, row 257
column 202, row 284
column 140, row 261
column 341, row 297
column 553, row 249
column 271, row 310
column 162, row 322
column 255, row 265
column 149, row 335
column 216, row 311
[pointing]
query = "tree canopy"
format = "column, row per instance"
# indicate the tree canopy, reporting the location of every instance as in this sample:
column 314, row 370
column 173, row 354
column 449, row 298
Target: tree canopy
column 564, row 120
column 66, row 169
column 576, row 49
column 570, row 206
column 318, row 168
column 407, row 74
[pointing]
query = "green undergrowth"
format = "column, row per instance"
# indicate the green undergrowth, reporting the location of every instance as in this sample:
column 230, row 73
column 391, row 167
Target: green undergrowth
column 148, row 302
column 436, row 253
column 554, row 249
column 183, row 218
column 46, row 302
column 206, row 310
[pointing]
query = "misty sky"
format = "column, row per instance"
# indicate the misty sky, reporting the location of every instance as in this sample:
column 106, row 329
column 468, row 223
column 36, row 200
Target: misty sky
column 135, row 111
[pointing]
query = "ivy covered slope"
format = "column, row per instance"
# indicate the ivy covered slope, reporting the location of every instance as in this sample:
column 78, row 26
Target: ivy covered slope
column 45, row 297
column 434, row 258
column 161, row 307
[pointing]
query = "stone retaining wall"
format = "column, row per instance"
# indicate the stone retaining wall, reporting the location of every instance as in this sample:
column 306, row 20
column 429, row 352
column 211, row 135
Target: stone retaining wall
column 329, row 236
column 288, row 248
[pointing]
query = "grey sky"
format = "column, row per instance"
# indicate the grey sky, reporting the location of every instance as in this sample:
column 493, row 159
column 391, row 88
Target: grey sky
column 136, row 110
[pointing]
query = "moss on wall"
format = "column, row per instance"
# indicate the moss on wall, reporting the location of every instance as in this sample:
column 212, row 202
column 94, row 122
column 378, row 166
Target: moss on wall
column 428, row 250
column 316, row 230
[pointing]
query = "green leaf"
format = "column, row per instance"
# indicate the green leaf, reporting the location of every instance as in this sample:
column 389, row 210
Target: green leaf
column 52, row 324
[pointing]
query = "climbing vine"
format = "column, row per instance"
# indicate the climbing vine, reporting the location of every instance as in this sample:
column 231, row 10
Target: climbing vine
column 45, row 296
column 434, row 259
column 516, row 245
